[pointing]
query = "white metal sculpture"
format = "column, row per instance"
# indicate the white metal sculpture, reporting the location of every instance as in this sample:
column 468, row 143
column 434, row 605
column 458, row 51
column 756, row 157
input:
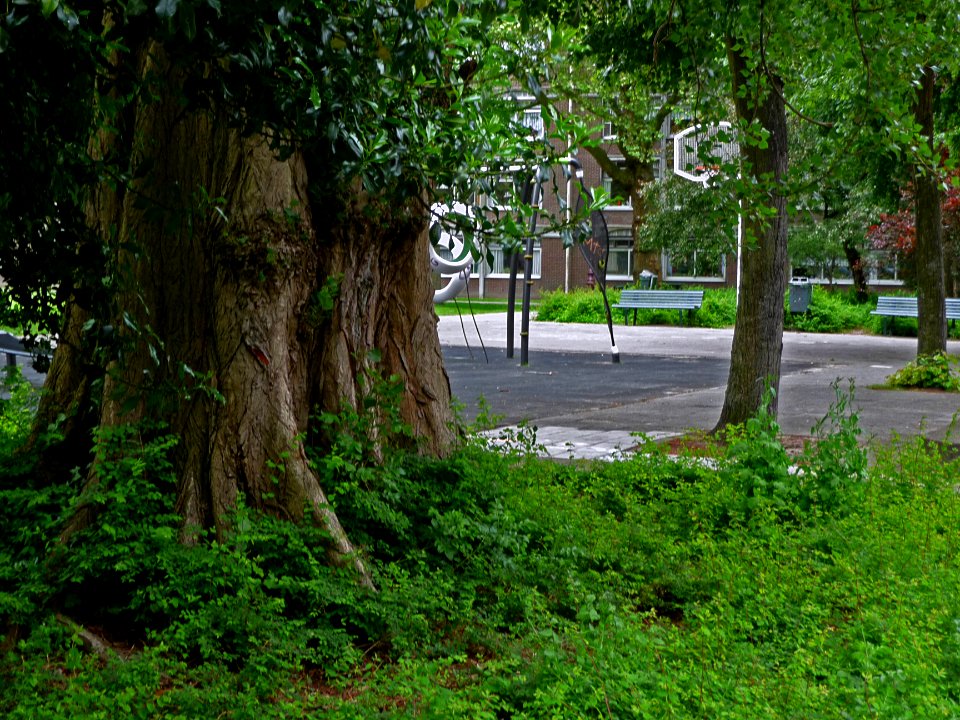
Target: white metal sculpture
column 459, row 265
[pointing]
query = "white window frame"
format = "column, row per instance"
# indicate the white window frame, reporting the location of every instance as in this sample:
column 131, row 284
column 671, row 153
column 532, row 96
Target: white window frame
column 874, row 258
column 532, row 118
column 624, row 235
column 822, row 277
column 669, row 276
column 500, row 267
column 606, row 182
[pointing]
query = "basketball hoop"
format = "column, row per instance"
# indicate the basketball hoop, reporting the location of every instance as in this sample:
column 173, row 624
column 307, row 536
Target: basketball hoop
column 698, row 152
column 717, row 149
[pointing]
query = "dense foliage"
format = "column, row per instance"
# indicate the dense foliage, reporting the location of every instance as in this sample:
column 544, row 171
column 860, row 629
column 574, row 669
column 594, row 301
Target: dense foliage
column 896, row 233
column 759, row 584
column 830, row 311
column 409, row 102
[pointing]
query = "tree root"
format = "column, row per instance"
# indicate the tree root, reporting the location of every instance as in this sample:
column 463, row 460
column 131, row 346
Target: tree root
column 91, row 641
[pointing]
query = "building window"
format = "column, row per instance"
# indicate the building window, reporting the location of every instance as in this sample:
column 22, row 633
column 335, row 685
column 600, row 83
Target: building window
column 501, row 192
column 696, row 265
column 533, row 120
column 501, row 262
column 620, row 260
column 885, row 268
column 829, row 272
column 609, row 131
column 619, row 192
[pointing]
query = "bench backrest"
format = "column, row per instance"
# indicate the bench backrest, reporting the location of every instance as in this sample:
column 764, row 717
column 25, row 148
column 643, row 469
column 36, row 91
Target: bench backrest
column 663, row 298
column 890, row 305
column 907, row 306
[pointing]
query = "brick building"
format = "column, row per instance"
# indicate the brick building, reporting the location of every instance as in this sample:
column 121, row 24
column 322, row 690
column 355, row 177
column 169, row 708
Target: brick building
column 558, row 268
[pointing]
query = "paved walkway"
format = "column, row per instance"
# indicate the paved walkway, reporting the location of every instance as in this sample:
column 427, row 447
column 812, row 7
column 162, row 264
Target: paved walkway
column 671, row 380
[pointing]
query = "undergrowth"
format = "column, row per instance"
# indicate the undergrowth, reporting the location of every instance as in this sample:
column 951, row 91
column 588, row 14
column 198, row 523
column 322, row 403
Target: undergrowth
column 936, row 372
column 756, row 585
column 830, row 311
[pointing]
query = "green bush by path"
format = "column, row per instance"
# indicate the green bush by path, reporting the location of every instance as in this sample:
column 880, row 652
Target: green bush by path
column 760, row 585
column 937, row 372
column 831, row 311
column 582, row 305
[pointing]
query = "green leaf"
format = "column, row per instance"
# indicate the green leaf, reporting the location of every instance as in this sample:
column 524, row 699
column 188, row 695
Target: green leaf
column 68, row 17
column 47, row 7
column 135, row 8
column 188, row 21
column 167, row 8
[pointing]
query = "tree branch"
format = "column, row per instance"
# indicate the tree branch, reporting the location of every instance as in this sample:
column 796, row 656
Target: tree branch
column 775, row 83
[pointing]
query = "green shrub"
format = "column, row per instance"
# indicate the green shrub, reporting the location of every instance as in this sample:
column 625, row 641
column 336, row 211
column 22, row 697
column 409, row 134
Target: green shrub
column 586, row 306
column 581, row 306
column 831, row 311
column 18, row 404
column 928, row 371
column 751, row 585
column 719, row 309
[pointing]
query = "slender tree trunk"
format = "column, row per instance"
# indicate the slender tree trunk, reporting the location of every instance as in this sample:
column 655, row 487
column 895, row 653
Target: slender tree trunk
column 857, row 271
column 219, row 330
column 932, row 314
column 758, row 334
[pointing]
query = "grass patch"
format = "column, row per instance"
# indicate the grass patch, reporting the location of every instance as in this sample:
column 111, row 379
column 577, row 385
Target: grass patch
column 462, row 306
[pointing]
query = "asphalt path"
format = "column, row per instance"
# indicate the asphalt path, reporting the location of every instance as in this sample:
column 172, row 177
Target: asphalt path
column 672, row 379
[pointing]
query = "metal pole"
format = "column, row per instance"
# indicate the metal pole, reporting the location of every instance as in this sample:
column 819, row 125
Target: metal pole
column 528, row 276
column 512, row 299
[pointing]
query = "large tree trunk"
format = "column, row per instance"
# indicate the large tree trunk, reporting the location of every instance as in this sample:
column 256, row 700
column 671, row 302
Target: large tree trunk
column 758, row 334
column 225, row 253
column 931, row 308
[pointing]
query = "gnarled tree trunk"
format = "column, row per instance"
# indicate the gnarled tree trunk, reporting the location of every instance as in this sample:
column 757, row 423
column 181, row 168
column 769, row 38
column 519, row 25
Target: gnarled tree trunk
column 217, row 327
column 758, row 334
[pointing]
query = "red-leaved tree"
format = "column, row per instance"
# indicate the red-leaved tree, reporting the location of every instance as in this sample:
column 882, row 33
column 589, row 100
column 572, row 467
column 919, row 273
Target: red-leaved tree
column 896, row 233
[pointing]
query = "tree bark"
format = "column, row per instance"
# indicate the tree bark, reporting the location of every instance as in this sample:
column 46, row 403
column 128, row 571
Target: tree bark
column 931, row 291
column 758, row 334
column 857, row 271
column 218, row 331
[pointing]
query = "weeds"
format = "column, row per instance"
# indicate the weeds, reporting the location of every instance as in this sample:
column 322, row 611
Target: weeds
column 928, row 371
column 813, row 586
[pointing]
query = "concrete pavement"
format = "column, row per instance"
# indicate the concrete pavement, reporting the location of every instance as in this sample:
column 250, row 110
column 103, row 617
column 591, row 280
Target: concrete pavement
column 669, row 380
column 673, row 379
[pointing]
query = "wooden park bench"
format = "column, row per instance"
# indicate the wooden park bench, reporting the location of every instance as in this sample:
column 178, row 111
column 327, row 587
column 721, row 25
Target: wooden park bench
column 682, row 300
column 890, row 306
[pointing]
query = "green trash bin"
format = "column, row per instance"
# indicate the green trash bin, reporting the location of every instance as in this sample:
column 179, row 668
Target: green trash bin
column 801, row 292
column 647, row 280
